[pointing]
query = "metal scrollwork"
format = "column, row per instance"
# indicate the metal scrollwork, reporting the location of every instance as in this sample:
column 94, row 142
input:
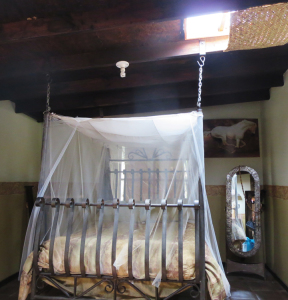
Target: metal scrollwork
column 161, row 152
column 195, row 291
column 121, row 288
column 40, row 284
column 138, row 152
column 110, row 286
column 141, row 153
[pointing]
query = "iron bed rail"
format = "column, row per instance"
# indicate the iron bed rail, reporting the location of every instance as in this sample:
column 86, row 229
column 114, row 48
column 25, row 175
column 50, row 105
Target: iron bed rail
column 115, row 284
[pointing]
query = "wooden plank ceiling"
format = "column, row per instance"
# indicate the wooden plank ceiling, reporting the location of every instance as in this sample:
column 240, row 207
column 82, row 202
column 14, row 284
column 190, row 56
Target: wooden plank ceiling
column 79, row 43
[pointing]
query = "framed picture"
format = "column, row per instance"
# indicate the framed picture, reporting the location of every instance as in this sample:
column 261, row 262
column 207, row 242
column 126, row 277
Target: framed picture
column 231, row 138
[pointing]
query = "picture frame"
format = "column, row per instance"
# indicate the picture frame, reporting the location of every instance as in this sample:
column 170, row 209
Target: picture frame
column 231, row 138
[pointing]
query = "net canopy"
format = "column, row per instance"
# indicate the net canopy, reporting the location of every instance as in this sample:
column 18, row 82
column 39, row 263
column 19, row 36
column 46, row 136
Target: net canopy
column 159, row 157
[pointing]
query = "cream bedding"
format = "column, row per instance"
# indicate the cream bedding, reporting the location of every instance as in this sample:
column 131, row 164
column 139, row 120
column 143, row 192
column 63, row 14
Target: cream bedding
column 215, row 284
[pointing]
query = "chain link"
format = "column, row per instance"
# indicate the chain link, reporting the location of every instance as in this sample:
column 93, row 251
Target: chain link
column 201, row 65
column 48, row 108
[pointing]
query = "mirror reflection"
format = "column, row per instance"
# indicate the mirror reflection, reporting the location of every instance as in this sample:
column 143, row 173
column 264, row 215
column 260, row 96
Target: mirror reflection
column 243, row 211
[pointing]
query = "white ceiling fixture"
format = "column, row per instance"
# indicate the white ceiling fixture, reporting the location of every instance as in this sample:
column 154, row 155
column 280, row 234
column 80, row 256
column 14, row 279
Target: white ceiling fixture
column 122, row 65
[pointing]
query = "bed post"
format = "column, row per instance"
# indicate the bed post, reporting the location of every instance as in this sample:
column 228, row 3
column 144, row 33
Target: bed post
column 202, row 243
column 40, row 202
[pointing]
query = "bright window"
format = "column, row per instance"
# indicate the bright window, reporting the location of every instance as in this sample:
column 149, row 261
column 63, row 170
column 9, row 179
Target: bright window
column 214, row 25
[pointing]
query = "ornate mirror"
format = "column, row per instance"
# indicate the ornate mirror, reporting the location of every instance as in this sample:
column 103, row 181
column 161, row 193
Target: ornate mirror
column 243, row 231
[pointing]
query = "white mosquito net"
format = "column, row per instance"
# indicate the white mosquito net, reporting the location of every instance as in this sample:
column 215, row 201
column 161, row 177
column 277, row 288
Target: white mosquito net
column 159, row 157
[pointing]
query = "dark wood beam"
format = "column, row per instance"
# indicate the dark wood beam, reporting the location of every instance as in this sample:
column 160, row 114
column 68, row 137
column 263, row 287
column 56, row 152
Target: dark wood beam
column 216, row 86
column 171, row 104
column 25, row 72
column 118, row 13
column 107, row 58
column 161, row 105
column 143, row 75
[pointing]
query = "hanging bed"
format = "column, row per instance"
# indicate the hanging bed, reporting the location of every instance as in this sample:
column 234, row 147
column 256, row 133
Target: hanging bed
column 122, row 211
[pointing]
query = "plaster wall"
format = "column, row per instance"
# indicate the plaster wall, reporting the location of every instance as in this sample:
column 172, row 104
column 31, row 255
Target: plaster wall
column 275, row 172
column 20, row 151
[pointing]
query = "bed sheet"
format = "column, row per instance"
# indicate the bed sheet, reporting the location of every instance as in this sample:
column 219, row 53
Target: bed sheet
column 215, row 284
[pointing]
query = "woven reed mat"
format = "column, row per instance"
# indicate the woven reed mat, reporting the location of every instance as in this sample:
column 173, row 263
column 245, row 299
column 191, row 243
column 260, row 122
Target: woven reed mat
column 259, row 27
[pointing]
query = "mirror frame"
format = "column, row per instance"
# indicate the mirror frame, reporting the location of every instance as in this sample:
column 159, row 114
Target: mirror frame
column 257, row 234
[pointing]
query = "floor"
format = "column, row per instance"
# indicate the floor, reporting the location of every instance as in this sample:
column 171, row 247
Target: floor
column 254, row 288
column 242, row 287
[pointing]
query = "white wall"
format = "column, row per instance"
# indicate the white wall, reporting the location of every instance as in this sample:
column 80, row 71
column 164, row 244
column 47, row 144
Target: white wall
column 20, row 138
column 20, row 156
column 275, row 169
column 275, row 145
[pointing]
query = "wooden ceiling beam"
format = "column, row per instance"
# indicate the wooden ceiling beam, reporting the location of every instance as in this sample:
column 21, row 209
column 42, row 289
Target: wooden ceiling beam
column 220, row 86
column 108, row 58
column 141, row 77
column 23, row 72
column 120, row 13
column 161, row 105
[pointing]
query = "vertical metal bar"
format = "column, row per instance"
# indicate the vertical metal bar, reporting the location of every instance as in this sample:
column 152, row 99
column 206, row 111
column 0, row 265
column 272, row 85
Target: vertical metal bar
column 33, row 285
column 164, row 227
column 115, row 289
column 85, row 206
column 55, row 203
column 45, row 221
column 149, row 183
column 75, row 287
column 116, row 182
column 147, row 238
column 141, row 184
column 175, row 185
column 125, row 178
column 133, row 179
column 130, row 241
column 39, row 202
column 114, row 239
column 183, row 184
column 180, row 239
column 202, row 242
column 158, row 183
column 70, row 205
column 156, row 293
column 29, row 197
column 197, row 242
column 99, row 235
column 166, row 182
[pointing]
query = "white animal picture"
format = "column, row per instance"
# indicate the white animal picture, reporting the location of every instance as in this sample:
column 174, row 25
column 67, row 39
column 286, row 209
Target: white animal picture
column 232, row 136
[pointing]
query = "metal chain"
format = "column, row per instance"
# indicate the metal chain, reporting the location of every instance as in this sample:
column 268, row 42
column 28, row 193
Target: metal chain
column 201, row 65
column 248, row 204
column 48, row 108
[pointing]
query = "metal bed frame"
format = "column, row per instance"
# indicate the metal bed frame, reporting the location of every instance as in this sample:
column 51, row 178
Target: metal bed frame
column 113, row 284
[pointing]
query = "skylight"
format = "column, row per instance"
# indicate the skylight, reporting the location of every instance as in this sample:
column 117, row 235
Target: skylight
column 214, row 25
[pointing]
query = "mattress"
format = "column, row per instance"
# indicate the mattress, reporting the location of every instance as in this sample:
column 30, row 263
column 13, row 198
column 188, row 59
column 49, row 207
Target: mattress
column 213, row 273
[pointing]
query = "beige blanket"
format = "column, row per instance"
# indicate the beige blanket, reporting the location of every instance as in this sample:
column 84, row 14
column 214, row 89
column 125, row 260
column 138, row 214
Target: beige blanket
column 215, row 284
